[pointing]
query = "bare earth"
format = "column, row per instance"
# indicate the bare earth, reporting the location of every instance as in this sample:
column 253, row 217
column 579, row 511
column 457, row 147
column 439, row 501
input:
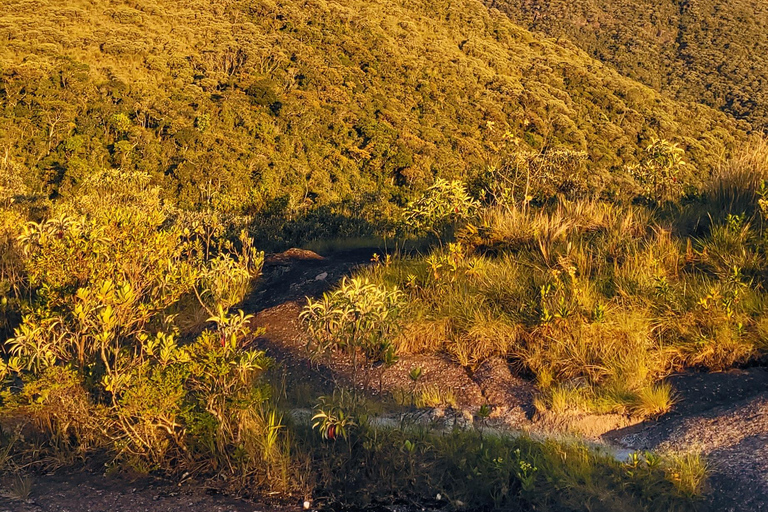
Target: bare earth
column 84, row 491
column 725, row 415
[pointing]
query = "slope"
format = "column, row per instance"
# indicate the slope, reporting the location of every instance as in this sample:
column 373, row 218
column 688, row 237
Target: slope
column 711, row 51
column 288, row 106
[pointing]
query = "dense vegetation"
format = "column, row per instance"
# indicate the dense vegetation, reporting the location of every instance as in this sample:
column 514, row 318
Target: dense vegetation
column 597, row 301
column 299, row 110
column 708, row 51
column 148, row 147
column 127, row 349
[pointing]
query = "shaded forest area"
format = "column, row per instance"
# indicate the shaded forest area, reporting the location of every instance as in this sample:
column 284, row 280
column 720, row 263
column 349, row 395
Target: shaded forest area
column 707, row 51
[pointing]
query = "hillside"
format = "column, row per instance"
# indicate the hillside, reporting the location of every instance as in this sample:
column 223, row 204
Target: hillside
column 711, row 51
column 282, row 107
column 365, row 253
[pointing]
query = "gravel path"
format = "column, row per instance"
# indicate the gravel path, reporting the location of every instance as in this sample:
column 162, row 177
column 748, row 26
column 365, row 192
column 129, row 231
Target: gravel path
column 725, row 417
column 84, row 491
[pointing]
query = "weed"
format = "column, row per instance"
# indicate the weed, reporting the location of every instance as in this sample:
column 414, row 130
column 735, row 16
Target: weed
column 20, row 485
column 359, row 319
column 434, row 397
column 688, row 472
column 654, row 400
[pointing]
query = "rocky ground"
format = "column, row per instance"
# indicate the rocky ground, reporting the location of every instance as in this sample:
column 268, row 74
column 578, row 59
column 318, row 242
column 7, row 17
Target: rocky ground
column 722, row 415
column 725, row 417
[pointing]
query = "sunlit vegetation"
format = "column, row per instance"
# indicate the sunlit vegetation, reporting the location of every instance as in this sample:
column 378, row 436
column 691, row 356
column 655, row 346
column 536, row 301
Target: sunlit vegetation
column 126, row 343
column 598, row 301
column 592, row 232
column 319, row 117
column 128, row 347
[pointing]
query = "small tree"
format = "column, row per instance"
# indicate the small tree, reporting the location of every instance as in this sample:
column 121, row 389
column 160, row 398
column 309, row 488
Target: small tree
column 660, row 172
column 443, row 204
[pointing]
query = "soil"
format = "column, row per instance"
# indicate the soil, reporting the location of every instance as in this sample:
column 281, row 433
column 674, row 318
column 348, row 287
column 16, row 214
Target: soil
column 723, row 415
column 85, row 491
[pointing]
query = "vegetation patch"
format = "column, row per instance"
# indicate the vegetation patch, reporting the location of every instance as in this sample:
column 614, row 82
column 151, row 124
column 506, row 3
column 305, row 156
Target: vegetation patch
column 597, row 301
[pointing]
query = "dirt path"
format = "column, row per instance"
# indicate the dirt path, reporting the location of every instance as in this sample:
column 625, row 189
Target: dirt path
column 291, row 277
column 84, row 491
column 725, row 417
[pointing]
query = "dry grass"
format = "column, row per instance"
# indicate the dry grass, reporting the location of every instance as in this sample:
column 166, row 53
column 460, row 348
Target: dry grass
column 599, row 301
column 434, row 397
column 734, row 187
column 19, row 485
column 654, row 400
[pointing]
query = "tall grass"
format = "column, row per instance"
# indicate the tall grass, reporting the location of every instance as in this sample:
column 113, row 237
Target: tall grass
column 598, row 301
column 735, row 184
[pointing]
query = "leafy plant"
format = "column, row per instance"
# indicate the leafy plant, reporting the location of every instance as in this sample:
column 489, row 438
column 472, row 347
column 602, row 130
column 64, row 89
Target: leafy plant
column 332, row 419
column 359, row 318
column 443, row 205
column 661, row 171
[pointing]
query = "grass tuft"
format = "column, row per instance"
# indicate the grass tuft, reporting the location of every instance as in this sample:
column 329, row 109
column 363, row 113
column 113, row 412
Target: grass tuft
column 653, row 401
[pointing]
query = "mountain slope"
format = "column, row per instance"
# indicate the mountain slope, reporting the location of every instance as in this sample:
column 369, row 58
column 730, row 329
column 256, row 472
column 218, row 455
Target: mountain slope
column 289, row 105
column 711, row 51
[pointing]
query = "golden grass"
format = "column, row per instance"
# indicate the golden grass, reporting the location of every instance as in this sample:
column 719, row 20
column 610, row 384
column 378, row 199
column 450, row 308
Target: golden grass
column 433, row 397
column 653, row 401
column 598, row 301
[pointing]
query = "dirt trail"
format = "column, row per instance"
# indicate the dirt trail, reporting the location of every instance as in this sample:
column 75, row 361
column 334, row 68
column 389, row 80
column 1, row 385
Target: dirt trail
column 291, row 277
column 725, row 417
column 86, row 491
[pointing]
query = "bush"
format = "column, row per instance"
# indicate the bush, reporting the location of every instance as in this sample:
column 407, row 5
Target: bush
column 661, row 172
column 359, row 319
column 99, row 348
column 441, row 207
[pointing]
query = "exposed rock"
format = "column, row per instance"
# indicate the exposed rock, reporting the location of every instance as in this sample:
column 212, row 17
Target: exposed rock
column 437, row 371
column 725, row 418
column 291, row 255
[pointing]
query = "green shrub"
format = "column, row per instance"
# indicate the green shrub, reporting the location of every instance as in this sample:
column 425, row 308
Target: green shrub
column 359, row 319
column 661, row 172
column 442, row 206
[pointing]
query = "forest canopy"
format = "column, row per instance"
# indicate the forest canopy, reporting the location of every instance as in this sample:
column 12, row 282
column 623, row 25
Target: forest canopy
column 709, row 51
column 281, row 108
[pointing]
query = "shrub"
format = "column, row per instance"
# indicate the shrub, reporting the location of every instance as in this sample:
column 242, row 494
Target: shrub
column 443, row 205
column 523, row 177
column 661, row 172
column 100, row 353
column 359, row 319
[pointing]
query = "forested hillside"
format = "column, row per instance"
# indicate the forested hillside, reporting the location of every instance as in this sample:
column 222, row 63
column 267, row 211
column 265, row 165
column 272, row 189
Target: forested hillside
column 519, row 240
column 283, row 107
column 711, row 51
